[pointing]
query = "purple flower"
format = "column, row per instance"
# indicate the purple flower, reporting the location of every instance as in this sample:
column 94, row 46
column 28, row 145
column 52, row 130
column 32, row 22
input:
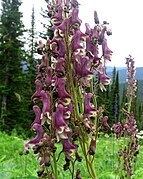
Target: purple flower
column 89, row 109
column 102, row 77
column 105, row 125
column 57, row 18
column 76, row 41
column 92, row 147
column 38, row 114
column 118, row 129
column 45, row 116
column 62, row 130
column 60, row 67
column 78, row 176
column 75, row 22
column 82, row 67
column 96, row 19
column 61, row 89
column 42, row 66
column 48, row 79
column 132, row 84
column 40, row 47
column 40, row 132
column 37, row 95
column 61, row 49
column 68, row 148
column 107, row 53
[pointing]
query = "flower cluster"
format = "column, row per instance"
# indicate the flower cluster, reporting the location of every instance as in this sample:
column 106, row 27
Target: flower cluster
column 64, row 78
column 132, row 84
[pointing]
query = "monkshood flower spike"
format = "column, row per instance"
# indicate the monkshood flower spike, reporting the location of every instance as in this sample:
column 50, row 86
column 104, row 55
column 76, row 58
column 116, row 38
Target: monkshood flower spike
column 66, row 110
column 127, row 128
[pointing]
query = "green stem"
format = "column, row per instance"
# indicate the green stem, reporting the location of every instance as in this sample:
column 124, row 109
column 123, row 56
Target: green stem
column 55, row 166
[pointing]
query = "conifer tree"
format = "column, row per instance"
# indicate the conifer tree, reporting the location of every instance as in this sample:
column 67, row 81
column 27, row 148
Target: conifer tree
column 11, row 57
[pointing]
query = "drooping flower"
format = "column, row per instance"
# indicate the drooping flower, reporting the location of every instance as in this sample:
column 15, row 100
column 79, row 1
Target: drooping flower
column 62, row 92
column 40, row 132
column 107, row 53
column 37, row 95
column 48, row 79
column 92, row 147
column 89, row 109
column 45, row 116
column 38, row 114
column 68, row 148
column 61, row 127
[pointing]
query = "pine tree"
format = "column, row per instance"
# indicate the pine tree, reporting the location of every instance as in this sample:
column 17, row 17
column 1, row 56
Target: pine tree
column 114, row 97
column 11, row 57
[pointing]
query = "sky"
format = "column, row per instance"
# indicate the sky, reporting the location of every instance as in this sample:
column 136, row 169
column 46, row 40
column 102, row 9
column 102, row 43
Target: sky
column 125, row 18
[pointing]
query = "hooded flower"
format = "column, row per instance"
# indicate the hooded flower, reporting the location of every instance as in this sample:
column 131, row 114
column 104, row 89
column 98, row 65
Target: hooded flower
column 57, row 18
column 45, row 116
column 82, row 66
column 42, row 66
column 62, row 130
column 89, row 109
column 107, row 53
column 76, row 41
column 75, row 22
column 92, row 147
column 48, row 79
column 38, row 114
column 68, row 148
column 105, row 125
column 37, row 95
column 102, row 77
column 60, row 67
column 40, row 132
column 61, row 89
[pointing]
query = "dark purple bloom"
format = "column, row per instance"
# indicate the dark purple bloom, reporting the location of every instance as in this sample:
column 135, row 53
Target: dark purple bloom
column 61, row 49
column 92, row 147
column 68, row 148
column 78, row 176
column 105, row 125
column 82, row 67
column 37, row 95
column 76, row 41
column 89, row 109
column 42, row 66
column 107, row 53
column 48, row 79
column 60, row 67
column 45, row 116
column 101, row 36
column 62, row 130
column 40, row 47
column 57, row 18
column 75, row 22
column 38, row 114
column 132, row 84
column 118, row 129
column 40, row 132
column 61, row 89
column 96, row 19
column 102, row 77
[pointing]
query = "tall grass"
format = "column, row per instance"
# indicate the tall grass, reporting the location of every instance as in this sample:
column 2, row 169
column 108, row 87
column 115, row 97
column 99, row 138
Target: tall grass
column 15, row 166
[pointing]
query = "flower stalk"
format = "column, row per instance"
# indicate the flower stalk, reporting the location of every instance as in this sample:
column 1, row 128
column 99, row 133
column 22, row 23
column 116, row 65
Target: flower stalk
column 65, row 90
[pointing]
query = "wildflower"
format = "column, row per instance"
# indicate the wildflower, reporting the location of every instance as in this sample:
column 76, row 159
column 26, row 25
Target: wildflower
column 40, row 132
column 37, row 95
column 89, row 109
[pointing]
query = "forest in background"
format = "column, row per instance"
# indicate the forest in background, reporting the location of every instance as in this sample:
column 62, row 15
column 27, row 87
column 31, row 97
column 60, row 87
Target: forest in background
column 18, row 74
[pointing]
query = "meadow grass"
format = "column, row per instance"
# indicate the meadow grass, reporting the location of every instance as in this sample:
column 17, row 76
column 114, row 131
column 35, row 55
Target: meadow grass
column 15, row 166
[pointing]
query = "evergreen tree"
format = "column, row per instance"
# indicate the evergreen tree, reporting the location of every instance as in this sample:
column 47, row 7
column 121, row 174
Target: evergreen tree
column 11, row 57
column 114, row 98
